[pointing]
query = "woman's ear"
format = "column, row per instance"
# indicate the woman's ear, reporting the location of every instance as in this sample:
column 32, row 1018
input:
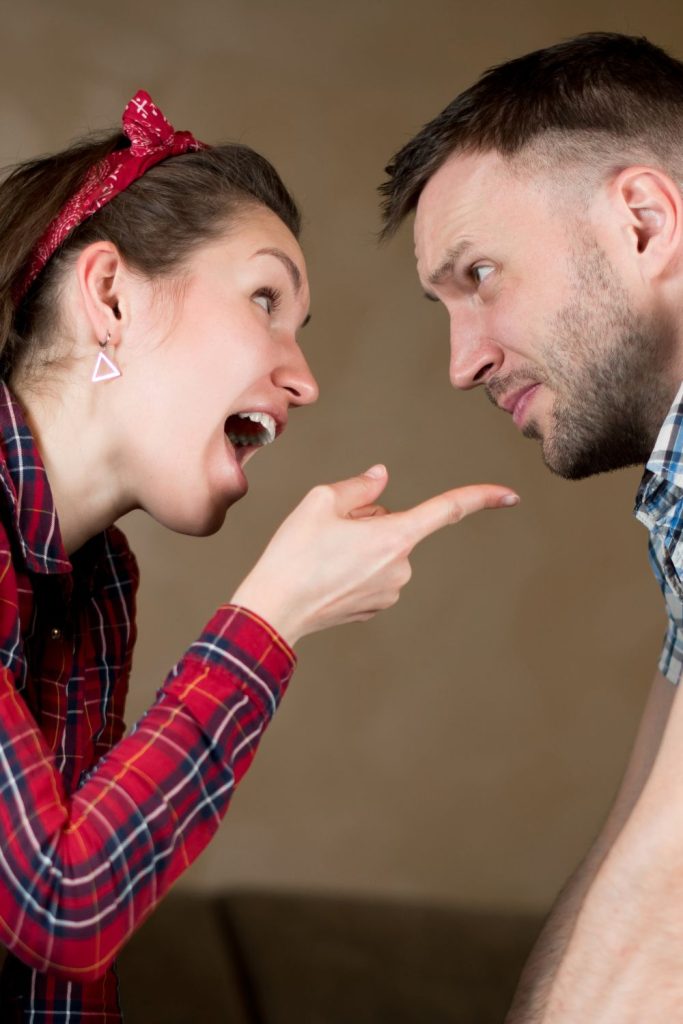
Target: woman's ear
column 100, row 274
column 651, row 202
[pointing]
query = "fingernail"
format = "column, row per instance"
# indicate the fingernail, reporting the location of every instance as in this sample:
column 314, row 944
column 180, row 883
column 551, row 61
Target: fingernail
column 510, row 499
column 375, row 471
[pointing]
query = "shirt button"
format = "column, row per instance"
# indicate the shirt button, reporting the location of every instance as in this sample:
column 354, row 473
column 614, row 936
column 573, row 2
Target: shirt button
column 55, row 633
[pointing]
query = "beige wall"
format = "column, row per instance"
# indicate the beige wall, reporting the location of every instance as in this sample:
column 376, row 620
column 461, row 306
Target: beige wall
column 464, row 746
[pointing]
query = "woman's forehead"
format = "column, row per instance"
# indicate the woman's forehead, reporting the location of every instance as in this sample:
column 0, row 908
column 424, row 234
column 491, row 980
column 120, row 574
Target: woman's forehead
column 259, row 231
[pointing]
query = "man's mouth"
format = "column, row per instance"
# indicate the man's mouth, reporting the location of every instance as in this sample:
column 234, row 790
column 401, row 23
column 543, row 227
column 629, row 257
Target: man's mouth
column 521, row 405
column 250, row 429
column 516, row 403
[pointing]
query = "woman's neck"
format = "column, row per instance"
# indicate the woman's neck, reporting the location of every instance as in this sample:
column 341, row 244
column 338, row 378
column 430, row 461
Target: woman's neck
column 79, row 459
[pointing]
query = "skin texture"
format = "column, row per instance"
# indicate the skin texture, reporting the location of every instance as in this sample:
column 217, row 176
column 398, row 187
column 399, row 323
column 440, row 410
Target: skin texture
column 218, row 340
column 568, row 311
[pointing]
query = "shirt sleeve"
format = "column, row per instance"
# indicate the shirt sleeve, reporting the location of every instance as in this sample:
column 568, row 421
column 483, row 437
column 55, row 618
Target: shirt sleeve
column 78, row 874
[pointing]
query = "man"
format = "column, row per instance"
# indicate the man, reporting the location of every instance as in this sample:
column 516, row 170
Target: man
column 549, row 222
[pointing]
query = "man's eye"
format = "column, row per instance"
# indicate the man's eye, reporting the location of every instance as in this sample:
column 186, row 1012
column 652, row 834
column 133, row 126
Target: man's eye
column 480, row 273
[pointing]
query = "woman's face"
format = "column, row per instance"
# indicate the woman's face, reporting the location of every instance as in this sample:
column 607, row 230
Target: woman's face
column 199, row 359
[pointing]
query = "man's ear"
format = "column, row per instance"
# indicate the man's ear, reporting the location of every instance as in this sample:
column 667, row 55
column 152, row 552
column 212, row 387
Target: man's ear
column 100, row 274
column 651, row 202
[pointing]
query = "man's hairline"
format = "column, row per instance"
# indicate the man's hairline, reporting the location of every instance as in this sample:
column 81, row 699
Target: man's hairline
column 596, row 170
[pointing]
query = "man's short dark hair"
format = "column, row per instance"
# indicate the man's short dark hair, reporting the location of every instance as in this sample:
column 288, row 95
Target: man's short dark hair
column 599, row 93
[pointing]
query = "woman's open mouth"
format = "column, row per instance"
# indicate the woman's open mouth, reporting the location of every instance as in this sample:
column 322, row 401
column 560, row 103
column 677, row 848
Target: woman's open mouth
column 249, row 431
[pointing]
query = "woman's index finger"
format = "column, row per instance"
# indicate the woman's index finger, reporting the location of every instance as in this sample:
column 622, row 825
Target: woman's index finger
column 452, row 506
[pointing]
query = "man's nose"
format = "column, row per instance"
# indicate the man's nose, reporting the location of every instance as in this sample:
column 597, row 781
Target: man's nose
column 294, row 375
column 474, row 358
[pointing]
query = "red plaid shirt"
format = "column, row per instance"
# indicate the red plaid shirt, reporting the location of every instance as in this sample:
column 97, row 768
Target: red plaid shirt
column 95, row 827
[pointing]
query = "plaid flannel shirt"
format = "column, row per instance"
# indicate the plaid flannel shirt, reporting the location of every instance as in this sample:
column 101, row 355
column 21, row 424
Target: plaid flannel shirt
column 659, row 505
column 95, row 826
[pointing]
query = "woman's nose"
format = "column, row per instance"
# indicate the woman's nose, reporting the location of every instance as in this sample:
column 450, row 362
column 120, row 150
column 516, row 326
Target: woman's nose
column 296, row 377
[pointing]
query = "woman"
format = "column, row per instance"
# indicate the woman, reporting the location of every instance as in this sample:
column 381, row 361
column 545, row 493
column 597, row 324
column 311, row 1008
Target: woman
column 151, row 290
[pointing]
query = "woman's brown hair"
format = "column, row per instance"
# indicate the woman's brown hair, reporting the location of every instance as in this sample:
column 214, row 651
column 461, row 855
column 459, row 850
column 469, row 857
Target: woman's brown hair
column 155, row 223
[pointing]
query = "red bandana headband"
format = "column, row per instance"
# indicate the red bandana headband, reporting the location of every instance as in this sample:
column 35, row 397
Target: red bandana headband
column 152, row 138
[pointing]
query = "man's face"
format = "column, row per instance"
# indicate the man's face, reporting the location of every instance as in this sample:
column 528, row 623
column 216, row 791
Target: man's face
column 541, row 318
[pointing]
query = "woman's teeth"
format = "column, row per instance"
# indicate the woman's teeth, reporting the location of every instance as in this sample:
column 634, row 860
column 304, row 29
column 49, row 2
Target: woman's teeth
column 241, row 432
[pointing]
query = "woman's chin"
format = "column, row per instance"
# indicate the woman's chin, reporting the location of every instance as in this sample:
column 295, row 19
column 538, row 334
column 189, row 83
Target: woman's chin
column 197, row 521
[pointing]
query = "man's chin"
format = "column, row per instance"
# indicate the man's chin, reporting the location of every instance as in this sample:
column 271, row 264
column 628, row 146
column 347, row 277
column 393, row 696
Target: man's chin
column 570, row 471
column 532, row 431
column 570, row 465
column 579, row 465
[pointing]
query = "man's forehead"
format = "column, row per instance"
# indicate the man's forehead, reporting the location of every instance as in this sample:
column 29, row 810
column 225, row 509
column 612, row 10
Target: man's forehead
column 466, row 169
column 469, row 194
column 450, row 205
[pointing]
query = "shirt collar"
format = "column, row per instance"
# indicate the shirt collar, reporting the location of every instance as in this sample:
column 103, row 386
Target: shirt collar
column 33, row 517
column 666, row 459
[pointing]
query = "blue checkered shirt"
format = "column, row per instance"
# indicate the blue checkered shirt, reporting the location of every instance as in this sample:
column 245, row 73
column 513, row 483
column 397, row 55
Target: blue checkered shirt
column 659, row 505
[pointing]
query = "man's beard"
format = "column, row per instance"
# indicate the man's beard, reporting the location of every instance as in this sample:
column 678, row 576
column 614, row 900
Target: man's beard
column 609, row 369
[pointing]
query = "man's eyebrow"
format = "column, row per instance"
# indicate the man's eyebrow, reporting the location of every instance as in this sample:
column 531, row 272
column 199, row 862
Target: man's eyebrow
column 447, row 265
column 288, row 263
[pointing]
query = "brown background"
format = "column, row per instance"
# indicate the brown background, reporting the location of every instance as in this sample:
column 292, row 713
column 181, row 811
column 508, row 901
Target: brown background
column 464, row 746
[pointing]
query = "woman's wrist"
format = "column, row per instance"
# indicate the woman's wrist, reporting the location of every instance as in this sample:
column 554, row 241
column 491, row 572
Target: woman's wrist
column 271, row 610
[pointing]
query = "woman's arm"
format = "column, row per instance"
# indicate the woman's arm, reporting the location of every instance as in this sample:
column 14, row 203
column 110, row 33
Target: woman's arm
column 79, row 874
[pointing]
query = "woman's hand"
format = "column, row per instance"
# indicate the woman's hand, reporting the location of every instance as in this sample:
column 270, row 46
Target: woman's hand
column 341, row 557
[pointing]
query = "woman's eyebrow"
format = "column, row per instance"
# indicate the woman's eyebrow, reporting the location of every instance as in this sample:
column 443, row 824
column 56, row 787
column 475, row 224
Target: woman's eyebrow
column 288, row 263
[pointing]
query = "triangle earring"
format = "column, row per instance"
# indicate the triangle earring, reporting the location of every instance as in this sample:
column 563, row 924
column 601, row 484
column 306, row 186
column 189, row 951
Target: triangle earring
column 105, row 369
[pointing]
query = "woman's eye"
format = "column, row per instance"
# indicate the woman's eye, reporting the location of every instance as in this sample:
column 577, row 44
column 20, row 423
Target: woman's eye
column 268, row 299
column 480, row 273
